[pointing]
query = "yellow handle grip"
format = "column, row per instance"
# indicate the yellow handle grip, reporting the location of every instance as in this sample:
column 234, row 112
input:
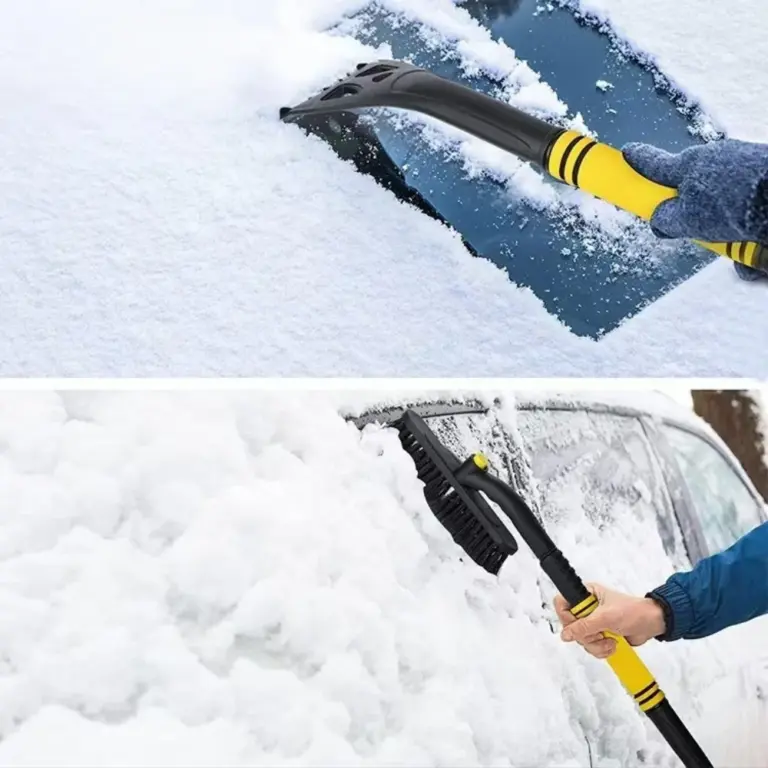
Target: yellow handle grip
column 626, row 664
column 603, row 172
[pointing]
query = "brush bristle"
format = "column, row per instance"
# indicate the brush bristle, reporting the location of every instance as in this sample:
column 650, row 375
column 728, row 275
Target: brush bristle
column 465, row 527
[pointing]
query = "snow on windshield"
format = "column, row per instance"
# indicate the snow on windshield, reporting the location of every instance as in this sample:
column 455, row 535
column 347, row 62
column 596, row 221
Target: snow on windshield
column 158, row 219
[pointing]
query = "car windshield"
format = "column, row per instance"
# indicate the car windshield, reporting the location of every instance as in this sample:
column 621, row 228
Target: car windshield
column 589, row 279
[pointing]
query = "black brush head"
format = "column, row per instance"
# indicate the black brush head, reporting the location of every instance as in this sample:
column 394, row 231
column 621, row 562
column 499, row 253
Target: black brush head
column 463, row 512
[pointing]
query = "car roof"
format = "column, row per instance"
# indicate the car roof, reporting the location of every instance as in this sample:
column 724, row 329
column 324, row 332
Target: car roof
column 630, row 402
column 648, row 403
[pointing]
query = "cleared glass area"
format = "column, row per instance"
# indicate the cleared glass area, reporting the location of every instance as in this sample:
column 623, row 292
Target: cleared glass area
column 592, row 282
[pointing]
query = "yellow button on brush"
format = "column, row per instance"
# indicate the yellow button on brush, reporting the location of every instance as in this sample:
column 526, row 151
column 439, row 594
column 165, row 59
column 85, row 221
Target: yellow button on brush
column 480, row 461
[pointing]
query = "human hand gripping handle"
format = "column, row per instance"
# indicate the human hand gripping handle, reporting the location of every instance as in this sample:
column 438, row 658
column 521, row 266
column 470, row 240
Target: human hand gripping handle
column 605, row 623
column 722, row 195
column 711, row 193
column 638, row 619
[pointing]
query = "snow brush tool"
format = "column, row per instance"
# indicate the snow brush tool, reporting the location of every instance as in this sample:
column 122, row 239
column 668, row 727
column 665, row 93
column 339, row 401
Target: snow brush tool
column 566, row 155
column 453, row 491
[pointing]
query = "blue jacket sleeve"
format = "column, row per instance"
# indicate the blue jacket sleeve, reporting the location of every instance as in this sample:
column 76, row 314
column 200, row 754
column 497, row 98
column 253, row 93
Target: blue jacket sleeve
column 722, row 590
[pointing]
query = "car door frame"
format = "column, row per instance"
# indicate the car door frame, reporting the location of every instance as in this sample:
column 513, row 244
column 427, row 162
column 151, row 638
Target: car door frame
column 685, row 508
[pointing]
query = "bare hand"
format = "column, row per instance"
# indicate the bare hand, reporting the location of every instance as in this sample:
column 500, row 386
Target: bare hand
column 638, row 619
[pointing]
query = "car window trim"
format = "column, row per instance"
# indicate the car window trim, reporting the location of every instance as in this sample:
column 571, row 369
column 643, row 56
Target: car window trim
column 682, row 502
column 687, row 506
column 728, row 458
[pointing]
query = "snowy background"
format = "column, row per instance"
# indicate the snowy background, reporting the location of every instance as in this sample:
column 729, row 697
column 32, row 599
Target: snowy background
column 244, row 578
column 157, row 219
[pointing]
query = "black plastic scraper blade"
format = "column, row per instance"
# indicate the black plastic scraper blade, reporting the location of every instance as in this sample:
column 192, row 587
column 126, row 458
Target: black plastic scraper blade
column 401, row 85
column 370, row 85
column 464, row 513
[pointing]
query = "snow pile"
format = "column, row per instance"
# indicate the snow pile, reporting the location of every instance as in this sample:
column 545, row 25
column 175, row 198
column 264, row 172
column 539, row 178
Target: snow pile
column 246, row 579
column 156, row 218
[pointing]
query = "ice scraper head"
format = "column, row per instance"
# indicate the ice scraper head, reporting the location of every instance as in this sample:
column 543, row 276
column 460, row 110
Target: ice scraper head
column 401, row 85
column 370, row 85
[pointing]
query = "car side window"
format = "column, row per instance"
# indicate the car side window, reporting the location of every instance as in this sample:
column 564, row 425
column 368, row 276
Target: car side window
column 724, row 505
column 603, row 464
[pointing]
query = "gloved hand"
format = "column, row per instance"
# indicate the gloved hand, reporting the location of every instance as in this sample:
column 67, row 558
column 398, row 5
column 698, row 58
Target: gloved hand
column 638, row 619
column 722, row 191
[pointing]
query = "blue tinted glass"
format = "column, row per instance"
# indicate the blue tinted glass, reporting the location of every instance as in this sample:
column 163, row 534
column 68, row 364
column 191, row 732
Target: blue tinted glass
column 592, row 282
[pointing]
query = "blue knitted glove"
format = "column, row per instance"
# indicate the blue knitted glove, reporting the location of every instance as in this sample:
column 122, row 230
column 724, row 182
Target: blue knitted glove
column 722, row 191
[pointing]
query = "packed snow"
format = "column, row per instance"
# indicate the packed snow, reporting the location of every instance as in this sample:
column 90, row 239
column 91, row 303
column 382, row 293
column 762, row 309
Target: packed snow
column 156, row 218
column 246, row 579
